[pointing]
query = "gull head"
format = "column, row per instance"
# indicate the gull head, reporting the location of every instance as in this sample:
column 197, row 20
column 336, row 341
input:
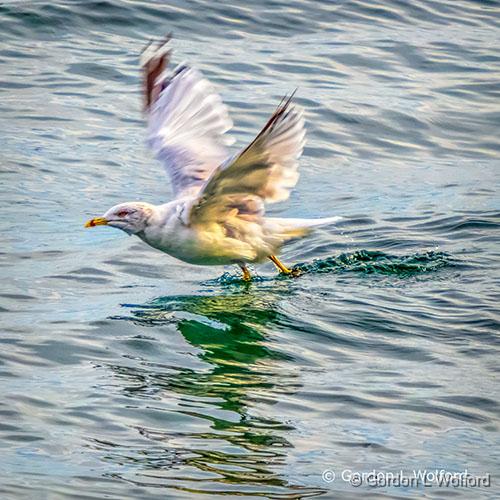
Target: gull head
column 131, row 217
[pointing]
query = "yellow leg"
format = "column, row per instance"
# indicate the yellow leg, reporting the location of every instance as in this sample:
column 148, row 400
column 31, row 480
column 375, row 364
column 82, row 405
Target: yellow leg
column 246, row 273
column 280, row 265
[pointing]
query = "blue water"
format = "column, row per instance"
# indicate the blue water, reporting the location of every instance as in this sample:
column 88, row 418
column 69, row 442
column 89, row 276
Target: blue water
column 127, row 374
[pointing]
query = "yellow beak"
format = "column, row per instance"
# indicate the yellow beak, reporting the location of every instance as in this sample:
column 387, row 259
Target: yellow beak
column 96, row 221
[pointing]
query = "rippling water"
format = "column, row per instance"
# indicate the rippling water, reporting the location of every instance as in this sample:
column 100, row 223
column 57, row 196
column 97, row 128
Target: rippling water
column 127, row 374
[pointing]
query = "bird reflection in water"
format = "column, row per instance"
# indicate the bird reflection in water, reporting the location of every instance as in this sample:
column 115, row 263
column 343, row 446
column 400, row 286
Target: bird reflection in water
column 238, row 449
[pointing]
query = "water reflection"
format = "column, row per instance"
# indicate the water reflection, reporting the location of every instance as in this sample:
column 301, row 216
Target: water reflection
column 237, row 450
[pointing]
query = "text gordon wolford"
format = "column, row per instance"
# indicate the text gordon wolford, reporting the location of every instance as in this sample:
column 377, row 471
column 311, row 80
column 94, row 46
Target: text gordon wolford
column 437, row 478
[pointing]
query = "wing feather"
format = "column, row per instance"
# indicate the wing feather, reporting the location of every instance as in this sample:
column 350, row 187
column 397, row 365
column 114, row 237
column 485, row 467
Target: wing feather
column 187, row 121
column 264, row 172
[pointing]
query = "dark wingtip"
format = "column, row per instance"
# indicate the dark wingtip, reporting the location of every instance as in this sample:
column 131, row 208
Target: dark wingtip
column 286, row 100
column 280, row 110
column 153, row 67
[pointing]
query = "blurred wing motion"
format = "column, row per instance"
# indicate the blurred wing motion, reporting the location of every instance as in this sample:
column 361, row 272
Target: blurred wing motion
column 265, row 171
column 187, row 121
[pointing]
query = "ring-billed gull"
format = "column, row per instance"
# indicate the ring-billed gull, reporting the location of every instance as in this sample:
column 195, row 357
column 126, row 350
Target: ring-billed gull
column 218, row 216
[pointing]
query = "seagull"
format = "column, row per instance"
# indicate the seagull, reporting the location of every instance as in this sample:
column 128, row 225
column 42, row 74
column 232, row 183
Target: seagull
column 218, row 214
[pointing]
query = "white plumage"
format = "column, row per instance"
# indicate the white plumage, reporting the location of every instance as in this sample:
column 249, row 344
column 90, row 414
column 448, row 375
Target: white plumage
column 218, row 216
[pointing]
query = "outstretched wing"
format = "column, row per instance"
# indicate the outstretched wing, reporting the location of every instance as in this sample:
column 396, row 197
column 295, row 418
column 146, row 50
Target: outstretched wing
column 187, row 121
column 263, row 172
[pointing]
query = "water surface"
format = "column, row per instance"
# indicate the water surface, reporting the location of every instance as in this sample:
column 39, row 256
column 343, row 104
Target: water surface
column 127, row 374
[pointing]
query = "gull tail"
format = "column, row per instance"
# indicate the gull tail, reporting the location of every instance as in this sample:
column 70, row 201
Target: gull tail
column 295, row 228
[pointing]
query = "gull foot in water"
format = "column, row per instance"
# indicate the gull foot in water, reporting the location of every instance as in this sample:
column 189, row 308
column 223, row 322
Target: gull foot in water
column 246, row 273
column 283, row 269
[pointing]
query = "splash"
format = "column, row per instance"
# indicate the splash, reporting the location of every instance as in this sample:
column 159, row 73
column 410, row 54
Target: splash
column 373, row 262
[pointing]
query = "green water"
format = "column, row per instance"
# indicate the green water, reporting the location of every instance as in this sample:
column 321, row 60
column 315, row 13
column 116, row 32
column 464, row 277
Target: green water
column 127, row 374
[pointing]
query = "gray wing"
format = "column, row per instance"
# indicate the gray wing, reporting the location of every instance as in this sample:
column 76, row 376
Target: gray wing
column 187, row 121
column 264, row 172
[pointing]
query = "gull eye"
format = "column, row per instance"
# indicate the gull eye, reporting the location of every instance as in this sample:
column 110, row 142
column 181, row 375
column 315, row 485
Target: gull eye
column 122, row 213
